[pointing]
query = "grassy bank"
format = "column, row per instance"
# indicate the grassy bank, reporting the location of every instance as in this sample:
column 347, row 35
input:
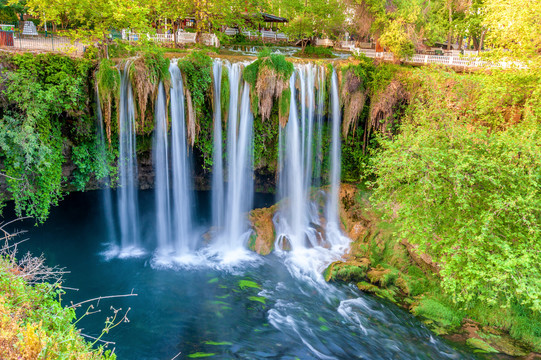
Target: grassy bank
column 34, row 324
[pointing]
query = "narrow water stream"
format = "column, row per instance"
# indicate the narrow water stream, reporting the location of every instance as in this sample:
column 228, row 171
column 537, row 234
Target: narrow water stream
column 259, row 308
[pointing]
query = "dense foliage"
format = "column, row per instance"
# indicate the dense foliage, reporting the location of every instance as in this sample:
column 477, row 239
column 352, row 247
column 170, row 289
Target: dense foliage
column 462, row 182
column 39, row 96
column 46, row 120
column 35, row 325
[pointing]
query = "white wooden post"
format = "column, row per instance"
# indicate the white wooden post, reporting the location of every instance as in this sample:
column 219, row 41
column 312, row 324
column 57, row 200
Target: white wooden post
column 426, row 59
column 450, row 60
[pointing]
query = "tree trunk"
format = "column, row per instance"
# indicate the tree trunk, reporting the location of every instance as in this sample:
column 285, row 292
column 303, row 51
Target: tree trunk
column 175, row 32
column 450, row 35
column 482, row 40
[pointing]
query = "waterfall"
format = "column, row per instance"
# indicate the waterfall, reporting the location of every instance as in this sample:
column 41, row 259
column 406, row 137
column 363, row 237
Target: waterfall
column 297, row 213
column 320, row 111
column 332, row 206
column 127, row 170
column 106, row 197
column 217, row 169
column 312, row 241
column 235, row 76
column 240, row 172
column 337, row 241
column 172, row 168
column 184, row 241
column 161, row 183
column 230, row 219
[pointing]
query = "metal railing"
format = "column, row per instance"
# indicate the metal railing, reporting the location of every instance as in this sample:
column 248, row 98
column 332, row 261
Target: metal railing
column 21, row 36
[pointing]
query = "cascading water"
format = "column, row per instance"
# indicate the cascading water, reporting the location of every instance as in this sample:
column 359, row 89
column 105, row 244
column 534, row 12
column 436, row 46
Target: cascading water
column 320, row 109
column 336, row 239
column 184, row 239
column 332, row 206
column 128, row 213
column 217, row 169
column 313, row 243
column 160, row 152
column 233, row 235
column 106, row 198
column 172, row 185
column 240, row 173
column 297, row 212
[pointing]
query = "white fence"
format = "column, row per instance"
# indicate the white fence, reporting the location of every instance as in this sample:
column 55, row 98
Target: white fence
column 347, row 44
column 467, row 60
column 266, row 35
column 182, row 37
column 231, row 31
column 324, row 42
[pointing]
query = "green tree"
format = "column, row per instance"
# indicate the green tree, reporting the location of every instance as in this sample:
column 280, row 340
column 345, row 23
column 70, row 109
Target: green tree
column 311, row 18
column 469, row 197
column 514, row 27
column 96, row 18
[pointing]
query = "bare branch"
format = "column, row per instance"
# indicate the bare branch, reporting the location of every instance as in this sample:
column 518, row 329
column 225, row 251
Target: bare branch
column 98, row 299
column 10, row 177
column 100, row 340
column 177, row 355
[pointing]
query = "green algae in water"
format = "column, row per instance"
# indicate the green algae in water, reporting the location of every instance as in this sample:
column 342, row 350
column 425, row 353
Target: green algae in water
column 212, row 281
column 243, row 284
column 223, row 296
column 324, row 328
column 322, row 319
column 198, row 355
column 260, row 299
column 218, row 302
column 215, row 343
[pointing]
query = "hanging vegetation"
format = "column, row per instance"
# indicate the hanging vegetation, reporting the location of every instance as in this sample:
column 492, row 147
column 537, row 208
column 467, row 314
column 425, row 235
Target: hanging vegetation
column 145, row 73
column 269, row 77
column 108, row 84
column 196, row 69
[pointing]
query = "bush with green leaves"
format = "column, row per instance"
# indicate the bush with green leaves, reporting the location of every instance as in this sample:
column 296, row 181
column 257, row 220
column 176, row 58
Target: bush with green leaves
column 470, row 198
column 35, row 324
column 46, row 100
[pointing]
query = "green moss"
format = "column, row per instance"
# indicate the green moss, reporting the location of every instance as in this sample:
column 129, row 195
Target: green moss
column 443, row 315
column 284, row 103
column 225, row 93
column 315, row 52
column 481, row 345
column 108, row 79
column 249, row 74
column 157, row 65
column 349, row 272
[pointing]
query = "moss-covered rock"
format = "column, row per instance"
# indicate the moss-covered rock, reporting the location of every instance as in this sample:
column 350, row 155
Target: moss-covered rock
column 262, row 240
column 481, row 345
